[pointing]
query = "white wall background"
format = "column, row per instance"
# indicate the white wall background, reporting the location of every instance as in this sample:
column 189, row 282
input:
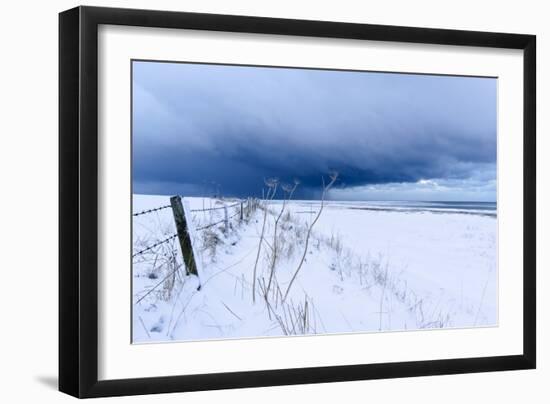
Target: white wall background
column 28, row 198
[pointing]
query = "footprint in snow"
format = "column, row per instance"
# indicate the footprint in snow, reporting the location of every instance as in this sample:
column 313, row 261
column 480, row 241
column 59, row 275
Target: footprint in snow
column 158, row 327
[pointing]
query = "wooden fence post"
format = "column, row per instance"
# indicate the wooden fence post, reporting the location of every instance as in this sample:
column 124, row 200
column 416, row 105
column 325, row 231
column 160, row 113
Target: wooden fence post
column 183, row 236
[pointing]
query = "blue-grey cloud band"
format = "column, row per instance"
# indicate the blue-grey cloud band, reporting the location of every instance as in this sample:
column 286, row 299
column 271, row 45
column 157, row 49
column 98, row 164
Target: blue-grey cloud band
column 199, row 129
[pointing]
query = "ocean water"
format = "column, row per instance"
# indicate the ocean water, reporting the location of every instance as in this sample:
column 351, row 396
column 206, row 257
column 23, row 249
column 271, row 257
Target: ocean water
column 488, row 206
column 473, row 207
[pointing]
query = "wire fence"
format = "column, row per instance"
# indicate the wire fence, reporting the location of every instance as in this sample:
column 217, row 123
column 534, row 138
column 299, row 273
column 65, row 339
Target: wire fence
column 143, row 212
column 215, row 223
column 239, row 203
column 218, row 207
column 155, row 245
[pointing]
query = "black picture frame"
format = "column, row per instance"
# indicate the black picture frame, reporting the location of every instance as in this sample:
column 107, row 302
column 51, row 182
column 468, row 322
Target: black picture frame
column 78, row 201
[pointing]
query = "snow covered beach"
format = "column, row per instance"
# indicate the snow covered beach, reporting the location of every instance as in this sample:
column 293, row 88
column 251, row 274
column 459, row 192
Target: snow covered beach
column 368, row 267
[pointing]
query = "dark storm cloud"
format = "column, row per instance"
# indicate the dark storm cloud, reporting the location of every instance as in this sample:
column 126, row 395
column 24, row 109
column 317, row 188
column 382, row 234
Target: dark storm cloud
column 197, row 128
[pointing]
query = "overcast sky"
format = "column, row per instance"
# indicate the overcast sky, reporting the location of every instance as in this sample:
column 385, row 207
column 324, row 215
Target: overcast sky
column 200, row 129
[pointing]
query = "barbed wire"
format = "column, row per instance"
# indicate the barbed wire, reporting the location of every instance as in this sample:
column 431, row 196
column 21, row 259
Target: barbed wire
column 143, row 212
column 218, row 208
column 155, row 245
column 176, row 234
column 215, row 223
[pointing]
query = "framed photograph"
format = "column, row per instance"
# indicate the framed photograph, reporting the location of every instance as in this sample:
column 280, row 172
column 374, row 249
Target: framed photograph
column 250, row 201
